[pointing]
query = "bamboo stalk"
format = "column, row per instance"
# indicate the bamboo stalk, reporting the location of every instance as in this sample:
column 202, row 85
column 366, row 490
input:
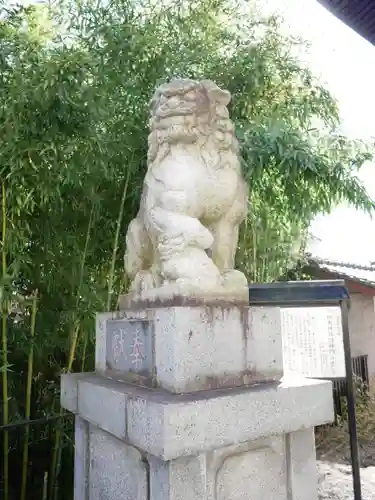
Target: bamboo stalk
column 73, row 348
column 83, row 260
column 56, row 454
column 85, row 341
column 115, row 243
column 30, row 363
column 4, row 345
column 45, row 482
column 255, row 256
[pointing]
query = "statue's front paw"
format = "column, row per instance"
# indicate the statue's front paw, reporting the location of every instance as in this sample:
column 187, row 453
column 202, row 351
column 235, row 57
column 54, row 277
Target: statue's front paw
column 143, row 281
column 234, row 279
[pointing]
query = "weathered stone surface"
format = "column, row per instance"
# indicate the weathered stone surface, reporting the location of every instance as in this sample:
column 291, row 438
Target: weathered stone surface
column 97, row 403
column 224, row 420
column 302, row 464
column 81, row 459
column 69, row 391
column 187, row 349
column 181, row 297
column 129, row 346
column 271, row 468
column 116, row 469
column 264, row 351
column 170, row 426
column 185, row 478
column 260, row 472
column 101, row 341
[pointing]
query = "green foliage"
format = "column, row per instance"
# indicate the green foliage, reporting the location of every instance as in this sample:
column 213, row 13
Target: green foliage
column 333, row 440
column 75, row 81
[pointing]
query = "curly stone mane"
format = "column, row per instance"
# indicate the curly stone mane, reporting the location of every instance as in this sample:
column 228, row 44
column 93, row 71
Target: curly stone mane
column 187, row 113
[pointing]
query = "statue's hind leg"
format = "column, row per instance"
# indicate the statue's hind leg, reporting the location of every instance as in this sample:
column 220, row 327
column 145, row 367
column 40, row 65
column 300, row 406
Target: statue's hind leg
column 225, row 232
column 138, row 258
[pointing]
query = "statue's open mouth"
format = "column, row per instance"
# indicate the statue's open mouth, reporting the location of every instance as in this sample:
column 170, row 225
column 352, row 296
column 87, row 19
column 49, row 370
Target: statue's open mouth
column 174, row 112
column 179, row 111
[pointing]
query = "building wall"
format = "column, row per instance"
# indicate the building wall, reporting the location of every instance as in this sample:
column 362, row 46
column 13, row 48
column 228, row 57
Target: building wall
column 362, row 330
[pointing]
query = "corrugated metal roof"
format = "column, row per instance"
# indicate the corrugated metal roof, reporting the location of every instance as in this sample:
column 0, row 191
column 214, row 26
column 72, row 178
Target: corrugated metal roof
column 358, row 14
column 354, row 272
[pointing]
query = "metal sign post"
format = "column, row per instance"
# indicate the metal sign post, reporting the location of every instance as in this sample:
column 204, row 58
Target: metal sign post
column 350, row 399
column 312, row 294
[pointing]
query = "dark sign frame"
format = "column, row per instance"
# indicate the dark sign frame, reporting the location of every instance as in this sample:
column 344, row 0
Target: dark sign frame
column 317, row 294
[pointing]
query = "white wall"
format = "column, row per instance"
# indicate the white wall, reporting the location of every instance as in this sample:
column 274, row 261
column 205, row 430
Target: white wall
column 362, row 330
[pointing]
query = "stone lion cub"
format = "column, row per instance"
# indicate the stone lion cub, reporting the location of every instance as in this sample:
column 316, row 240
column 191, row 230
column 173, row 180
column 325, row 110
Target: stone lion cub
column 194, row 196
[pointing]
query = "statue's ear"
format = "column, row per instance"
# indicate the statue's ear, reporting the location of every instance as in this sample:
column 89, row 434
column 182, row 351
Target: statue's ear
column 216, row 94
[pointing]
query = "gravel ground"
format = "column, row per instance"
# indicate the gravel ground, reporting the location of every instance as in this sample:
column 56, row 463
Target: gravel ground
column 335, row 482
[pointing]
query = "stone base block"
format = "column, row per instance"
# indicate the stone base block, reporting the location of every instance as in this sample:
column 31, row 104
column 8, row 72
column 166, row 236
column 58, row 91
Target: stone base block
column 169, row 426
column 140, row 444
column 191, row 348
column 267, row 469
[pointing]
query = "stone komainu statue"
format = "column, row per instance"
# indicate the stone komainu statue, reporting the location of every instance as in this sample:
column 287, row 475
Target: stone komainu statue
column 194, row 196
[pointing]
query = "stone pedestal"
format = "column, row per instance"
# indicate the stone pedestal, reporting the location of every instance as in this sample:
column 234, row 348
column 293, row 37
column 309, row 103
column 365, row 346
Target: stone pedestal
column 190, row 348
column 187, row 404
